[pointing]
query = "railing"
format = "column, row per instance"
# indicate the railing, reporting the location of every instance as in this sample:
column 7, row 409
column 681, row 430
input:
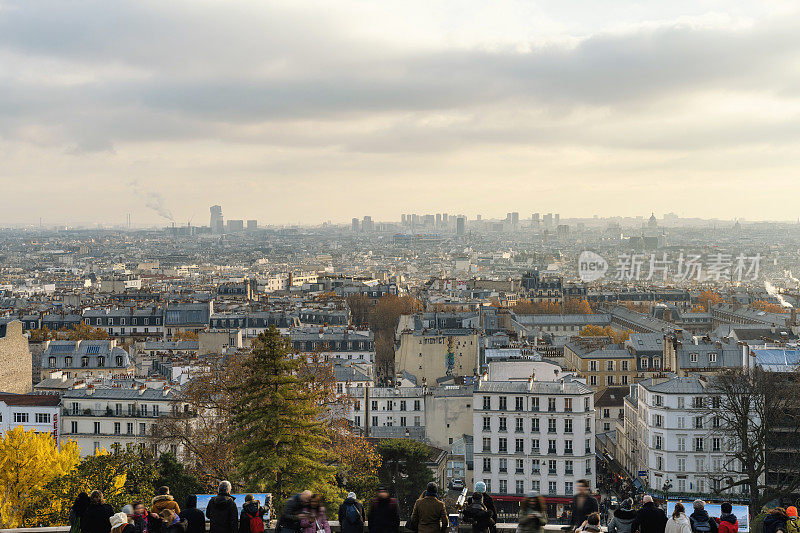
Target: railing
column 502, row 528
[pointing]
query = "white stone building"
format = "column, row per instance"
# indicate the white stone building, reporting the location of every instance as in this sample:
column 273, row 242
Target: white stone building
column 31, row 411
column 389, row 411
column 534, row 435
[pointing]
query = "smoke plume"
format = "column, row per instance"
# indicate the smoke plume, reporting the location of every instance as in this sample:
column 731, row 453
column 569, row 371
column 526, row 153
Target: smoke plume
column 152, row 200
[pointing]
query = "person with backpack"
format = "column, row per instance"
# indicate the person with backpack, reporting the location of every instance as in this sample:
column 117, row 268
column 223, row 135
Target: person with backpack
column 194, row 517
column 775, row 520
column 699, row 519
column 678, row 522
column 623, row 518
column 351, row 515
column 727, row 522
column 488, row 502
column 477, row 514
column 384, row 513
column 252, row 518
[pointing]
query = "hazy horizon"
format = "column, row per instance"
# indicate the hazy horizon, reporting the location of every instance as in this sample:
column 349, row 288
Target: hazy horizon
column 313, row 111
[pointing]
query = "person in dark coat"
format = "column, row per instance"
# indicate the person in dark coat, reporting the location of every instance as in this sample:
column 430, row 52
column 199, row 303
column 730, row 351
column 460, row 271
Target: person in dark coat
column 140, row 518
column 96, row 518
column 477, row 514
column 348, row 511
column 583, row 504
column 775, row 521
column 251, row 509
column 222, row 512
column 649, row 519
column 293, row 513
column 384, row 513
column 429, row 514
column 700, row 521
column 727, row 521
column 488, row 502
column 623, row 518
column 76, row 512
column 195, row 519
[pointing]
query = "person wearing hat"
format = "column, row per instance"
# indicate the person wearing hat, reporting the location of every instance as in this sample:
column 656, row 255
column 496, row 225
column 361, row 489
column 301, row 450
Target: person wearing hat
column 532, row 514
column 429, row 514
column 384, row 513
column 650, row 518
column 699, row 519
column 351, row 515
column 476, row 514
column 252, row 516
column 792, row 522
column 727, row 522
column 120, row 523
column 480, row 488
column 623, row 518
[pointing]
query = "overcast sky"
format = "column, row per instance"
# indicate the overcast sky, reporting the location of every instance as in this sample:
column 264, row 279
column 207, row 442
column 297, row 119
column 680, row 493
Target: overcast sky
column 302, row 111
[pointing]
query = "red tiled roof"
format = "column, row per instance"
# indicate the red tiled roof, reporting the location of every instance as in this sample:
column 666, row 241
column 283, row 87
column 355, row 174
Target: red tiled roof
column 32, row 400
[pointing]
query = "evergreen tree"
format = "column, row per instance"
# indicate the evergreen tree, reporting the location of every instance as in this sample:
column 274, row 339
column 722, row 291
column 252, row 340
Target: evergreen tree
column 278, row 425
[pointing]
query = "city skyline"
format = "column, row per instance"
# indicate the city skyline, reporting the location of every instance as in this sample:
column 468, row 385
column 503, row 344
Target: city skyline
column 620, row 109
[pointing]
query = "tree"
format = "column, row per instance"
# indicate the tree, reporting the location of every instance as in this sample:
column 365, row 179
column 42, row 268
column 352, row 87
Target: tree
column 356, row 460
column 404, row 468
column 277, row 424
column 707, row 299
column 41, row 334
column 528, row 307
column 28, row 462
column 617, row 337
column 757, row 410
column 383, row 320
column 360, row 307
column 185, row 336
column 173, row 474
column 577, row 307
column 767, row 307
column 83, row 331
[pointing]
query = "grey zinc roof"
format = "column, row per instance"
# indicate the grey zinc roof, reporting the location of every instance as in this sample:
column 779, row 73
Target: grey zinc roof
column 777, row 359
column 347, row 373
column 597, row 319
column 537, row 387
column 115, row 393
column 675, row 385
column 646, row 342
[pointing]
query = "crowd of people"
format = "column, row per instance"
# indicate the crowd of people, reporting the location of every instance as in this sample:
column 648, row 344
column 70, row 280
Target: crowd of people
column 302, row 513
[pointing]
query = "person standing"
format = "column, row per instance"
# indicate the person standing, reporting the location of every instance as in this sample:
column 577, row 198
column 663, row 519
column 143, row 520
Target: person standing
column 678, row 522
column 351, row 515
column 477, row 514
column 195, row 519
column 775, row 520
column 480, row 488
column 699, row 519
column 583, row 504
column 222, row 512
column 172, row 522
column 792, row 522
column 164, row 500
column 623, row 518
column 252, row 518
column 293, row 513
column 429, row 514
column 728, row 523
column 532, row 514
column 140, row 518
column 649, row 519
column 384, row 513
column 76, row 512
column 120, row 523
column 316, row 521
column 96, row 518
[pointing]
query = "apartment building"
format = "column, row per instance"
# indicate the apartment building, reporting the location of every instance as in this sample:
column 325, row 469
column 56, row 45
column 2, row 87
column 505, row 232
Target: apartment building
column 534, row 436
column 31, row 411
column 431, row 354
column 389, row 411
column 85, row 359
column 604, row 363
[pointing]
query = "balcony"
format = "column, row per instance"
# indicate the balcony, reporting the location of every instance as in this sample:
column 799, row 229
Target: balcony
column 568, row 451
column 551, row 451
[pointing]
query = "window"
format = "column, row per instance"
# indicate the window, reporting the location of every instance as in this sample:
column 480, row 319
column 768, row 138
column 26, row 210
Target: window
column 568, row 468
column 624, row 369
column 658, row 420
column 610, row 380
column 503, row 486
column 129, row 428
column 534, row 425
column 681, row 402
column 568, row 425
column 643, row 363
column 487, row 423
column 681, row 444
column 658, row 400
column 588, row 428
column 716, row 444
column 606, row 413
column 681, row 422
column 610, row 366
column 487, row 444
column 502, row 445
column 503, row 423
column 681, row 464
column 659, row 462
column 586, row 404
column 568, row 405
column 657, row 442
column 551, row 446
column 42, row 418
column 534, row 445
column 503, row 403
column 117, row 428
column 568, row 447
column 519, row 403
column 73, row 427
column 716, row 402
column 712, row 357
column 402, row 405
column 697, row 402
column 390, row 405
column 692, row 357
column 552, row 465
column 698, row 422
column 520, row 487
column 535, row 404
column 593, row 366
column 715, row 422
column 502, row 465
column 593, row 380
column 416, row 405
column 519, row 447
column 624, row 379
column 552, row 487
column 700, row 464
column 520, row 466
column 21, row 418
column 487, row 403
column 518, row 427
column 97, row 428
column 535, row 466
column 656, row 363
column 551, row 404
column 374, row 420
column 84, row 362
column 142, row 429
column 551, row 425
column 487, row 465
column 698, row 444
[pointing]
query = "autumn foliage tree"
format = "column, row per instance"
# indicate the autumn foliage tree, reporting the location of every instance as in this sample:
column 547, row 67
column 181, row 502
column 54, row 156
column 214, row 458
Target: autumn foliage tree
column 707, row 299
column 767, row 307
column 528, row 307
column 29, row 461
column 82, row 332
column 383, row 320
column 606, row 331
column 575, row 306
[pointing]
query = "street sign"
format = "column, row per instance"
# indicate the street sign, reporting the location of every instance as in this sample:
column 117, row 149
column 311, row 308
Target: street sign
column 642, row 473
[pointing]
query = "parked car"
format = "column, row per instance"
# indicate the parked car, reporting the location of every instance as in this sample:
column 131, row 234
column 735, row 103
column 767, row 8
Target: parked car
column 457, row 484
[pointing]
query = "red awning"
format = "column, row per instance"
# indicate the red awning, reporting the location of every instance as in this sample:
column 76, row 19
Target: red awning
column 548, row 499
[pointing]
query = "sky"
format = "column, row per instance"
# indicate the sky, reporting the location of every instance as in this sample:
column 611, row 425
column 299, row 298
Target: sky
column 304, row 111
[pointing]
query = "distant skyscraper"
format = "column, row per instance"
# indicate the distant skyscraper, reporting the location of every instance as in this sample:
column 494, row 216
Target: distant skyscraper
column 515, row 219
column 367, row 224
column 438, row 220
column 252, row 225
column 355, row 225
column 403, row 219
column 535, row 220
column 557, row 219
column 461, row 226
column 235, row 226
column 217, row 223
column 547, row 220
column 444, row 218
